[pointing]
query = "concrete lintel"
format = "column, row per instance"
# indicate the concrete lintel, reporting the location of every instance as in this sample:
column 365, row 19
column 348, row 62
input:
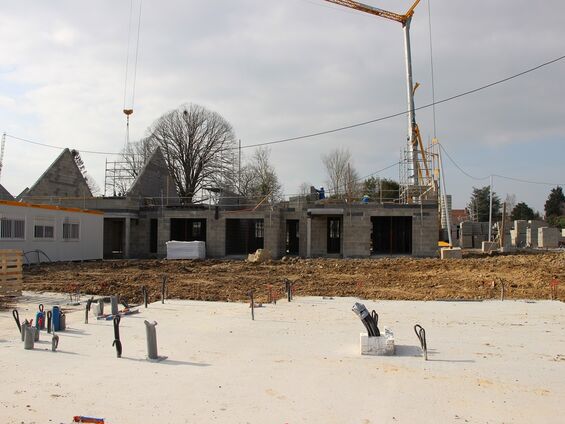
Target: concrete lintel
column 325, row 211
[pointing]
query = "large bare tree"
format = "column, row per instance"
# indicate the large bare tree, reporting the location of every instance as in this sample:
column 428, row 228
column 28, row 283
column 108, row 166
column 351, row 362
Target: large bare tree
column 198, row 146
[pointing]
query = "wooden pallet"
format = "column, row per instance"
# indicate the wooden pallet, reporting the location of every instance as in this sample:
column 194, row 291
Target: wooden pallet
column 11, row 274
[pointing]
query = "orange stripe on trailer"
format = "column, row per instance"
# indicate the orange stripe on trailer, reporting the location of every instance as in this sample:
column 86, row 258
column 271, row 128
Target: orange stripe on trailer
column 49, row 207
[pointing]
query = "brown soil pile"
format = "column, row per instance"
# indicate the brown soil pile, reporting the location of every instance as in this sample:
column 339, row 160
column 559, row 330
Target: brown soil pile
column 524, row 276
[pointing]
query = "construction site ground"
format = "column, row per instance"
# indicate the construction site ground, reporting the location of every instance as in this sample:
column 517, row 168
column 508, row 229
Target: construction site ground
column 476, row 276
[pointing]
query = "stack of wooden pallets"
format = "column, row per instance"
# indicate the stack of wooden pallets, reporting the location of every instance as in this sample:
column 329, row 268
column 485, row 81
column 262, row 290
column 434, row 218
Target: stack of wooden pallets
column 11, row 274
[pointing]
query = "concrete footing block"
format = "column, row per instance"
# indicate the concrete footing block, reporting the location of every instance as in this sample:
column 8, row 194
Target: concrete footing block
column 451, row 253
column 489, row 246
column 377, row 346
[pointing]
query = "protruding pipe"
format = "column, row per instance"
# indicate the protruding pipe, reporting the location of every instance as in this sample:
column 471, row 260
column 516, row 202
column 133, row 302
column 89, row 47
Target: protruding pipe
column 29, row 337
column 54, row 342
column 63, row 321
column 151, row 339
column 114, row 304
column 25, row 324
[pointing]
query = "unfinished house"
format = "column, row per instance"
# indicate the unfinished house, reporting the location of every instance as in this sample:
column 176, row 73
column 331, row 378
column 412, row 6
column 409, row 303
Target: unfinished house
column 139, row 223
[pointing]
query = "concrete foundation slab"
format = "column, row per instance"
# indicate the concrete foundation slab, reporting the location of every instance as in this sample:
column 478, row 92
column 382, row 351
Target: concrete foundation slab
column 297, row 362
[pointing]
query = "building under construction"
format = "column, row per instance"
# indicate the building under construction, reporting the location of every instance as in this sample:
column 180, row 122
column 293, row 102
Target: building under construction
column 139, row 222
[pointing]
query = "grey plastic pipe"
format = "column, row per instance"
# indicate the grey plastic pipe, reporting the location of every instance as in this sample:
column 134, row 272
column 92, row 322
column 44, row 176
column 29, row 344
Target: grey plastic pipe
column 28, row 337
column 63, row 322
column 25, row 324
column 114, row 303
column 151, row 339
column 54, row 342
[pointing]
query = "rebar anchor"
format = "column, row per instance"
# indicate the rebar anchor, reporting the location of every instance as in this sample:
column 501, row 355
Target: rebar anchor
column 164, row 288
column 252, row 304
column 288, row 287
column 421, row 334
column 144, row 294
column 117, row 341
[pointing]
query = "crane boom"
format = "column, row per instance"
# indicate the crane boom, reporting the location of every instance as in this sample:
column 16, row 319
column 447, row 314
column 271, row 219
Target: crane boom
column 414, row 138
column 362, row 7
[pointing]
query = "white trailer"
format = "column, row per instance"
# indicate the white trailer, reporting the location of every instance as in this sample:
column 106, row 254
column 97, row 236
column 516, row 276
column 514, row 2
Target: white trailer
column 48, row 232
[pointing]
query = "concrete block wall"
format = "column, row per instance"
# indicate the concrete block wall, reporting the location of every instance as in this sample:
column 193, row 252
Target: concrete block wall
column 139, row 237
column 548, row 237
column 356, row 234
column 319, row 236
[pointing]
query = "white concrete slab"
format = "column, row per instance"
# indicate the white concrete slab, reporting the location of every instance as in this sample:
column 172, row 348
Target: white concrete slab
column 296, row 363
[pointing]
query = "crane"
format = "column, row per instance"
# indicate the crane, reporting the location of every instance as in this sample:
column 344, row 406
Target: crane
column 415, row 140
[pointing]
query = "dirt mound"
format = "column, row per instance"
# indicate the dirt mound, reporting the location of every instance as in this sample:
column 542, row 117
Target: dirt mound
column 524, row 276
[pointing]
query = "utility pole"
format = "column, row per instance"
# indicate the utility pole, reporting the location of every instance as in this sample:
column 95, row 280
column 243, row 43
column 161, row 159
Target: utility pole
column 502, row 228
column 490, row 213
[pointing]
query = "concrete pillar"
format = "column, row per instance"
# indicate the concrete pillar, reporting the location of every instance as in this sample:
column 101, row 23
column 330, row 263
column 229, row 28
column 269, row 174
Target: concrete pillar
column 309, row 236
column 127, row 236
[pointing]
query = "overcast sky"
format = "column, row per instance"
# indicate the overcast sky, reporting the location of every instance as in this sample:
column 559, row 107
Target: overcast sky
column 278, row 69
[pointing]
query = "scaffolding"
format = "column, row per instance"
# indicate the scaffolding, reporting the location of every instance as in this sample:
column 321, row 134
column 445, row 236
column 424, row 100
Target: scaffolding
column 118, row 178
column 425, row 170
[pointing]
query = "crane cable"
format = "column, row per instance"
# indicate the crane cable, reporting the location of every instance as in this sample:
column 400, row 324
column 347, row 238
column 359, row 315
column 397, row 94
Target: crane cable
column 129, row 110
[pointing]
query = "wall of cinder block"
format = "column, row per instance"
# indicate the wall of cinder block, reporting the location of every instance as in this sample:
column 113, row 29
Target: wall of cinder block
column 355, row 237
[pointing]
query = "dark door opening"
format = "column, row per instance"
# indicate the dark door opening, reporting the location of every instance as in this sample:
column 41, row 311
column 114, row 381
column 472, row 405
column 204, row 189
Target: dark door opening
column 153, row 233
column 392, row 235
column 292, row 236
column 114, row 238
column 244, row 236
column 334, row 235
column 188, row 229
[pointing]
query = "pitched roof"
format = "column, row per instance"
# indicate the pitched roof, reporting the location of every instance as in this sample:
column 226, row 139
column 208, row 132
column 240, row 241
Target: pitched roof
column 5, row 194
column 154, row 179
column 63, row 179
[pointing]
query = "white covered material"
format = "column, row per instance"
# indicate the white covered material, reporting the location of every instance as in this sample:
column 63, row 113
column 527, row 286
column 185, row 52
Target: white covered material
column 186, row 249
column 379, row 346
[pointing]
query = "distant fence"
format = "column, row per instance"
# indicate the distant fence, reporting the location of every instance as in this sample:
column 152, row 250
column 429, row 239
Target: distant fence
column 11, row 275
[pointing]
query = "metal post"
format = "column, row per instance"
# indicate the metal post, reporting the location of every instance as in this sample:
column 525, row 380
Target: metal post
column 252, row 304
column 413, row 147
column 144, row 293
column 490, row 213
column 164, row 288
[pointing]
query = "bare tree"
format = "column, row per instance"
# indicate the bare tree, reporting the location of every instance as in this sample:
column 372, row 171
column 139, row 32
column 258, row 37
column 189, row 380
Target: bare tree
column 304, row 189
column 342, row 176
column 197, row 144
column 259, row 178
